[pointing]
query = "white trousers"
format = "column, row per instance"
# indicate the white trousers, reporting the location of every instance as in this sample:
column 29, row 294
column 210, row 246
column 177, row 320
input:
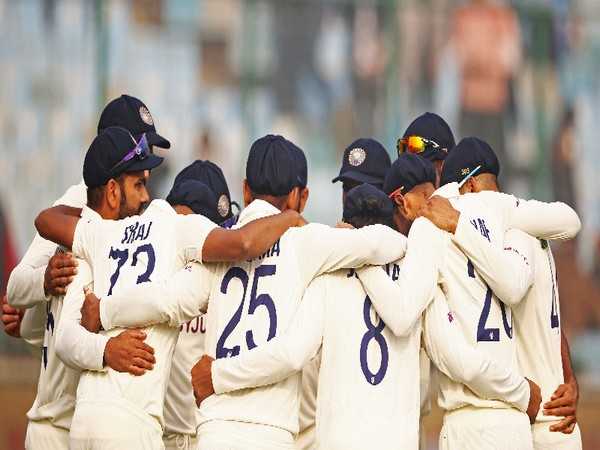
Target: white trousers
column 99, row 426
column 180, row 442
column 229, row 435
column 471, row 428
column 544, row 439
column 42, row 435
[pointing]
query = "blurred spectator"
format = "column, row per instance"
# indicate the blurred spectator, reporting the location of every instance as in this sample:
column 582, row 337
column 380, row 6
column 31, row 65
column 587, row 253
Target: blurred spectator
column 486, row 36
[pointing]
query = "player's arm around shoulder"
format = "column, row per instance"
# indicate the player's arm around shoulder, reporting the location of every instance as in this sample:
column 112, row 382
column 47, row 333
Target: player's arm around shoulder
column 545, row 220
column 57, row 224
column 249, row 241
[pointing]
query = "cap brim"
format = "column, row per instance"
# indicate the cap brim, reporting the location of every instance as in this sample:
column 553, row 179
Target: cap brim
column 157, row 140
column 357, row 176
column 149, row 163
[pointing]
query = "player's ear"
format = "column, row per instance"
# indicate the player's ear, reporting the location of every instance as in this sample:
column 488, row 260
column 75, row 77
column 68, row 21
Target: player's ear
column 112, row 194
column 293, row 200
column 248, row 197
column 303, row 199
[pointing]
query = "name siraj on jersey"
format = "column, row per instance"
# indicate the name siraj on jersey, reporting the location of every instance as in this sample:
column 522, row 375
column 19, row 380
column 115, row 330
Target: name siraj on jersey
column 136, row 232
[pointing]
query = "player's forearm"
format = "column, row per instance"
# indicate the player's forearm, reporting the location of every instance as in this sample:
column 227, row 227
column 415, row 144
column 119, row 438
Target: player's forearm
column 249, row 241
column 25, row 287
column 34, row 324
column 77, row 347
column 398, row 305
column 57, row 224
column 506, row 271
column 565, row 352
column 555, row 220
column 380, row 244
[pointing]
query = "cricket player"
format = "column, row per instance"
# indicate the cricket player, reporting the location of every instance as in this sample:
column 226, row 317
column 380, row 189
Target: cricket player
column 39, row 283
column 250, row 302
column 114, row 410
column 542, row 349
column 212, row 200
column 360, row 402
column 429, row 136
column 485, row 321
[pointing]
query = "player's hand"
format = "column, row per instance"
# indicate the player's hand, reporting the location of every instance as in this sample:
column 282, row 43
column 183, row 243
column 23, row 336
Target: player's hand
column 563, row 403
column 128, row 352
column 202, row 379
column 535, row 399
column 11, row 318
column 60, row 271
column 342, row 224
column 90, row 313
column 440, row 211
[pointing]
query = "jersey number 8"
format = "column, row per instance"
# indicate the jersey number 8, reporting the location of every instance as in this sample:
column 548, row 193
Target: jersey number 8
column 373, row 332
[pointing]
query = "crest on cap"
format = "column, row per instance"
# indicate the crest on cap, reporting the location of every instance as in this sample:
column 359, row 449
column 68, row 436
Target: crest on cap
column 465, row 171
column 357, row 156
column 223, row 205
column 146, row 116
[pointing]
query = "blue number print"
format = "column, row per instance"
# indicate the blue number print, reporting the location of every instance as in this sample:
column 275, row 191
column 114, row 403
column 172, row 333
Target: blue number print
column 489, row 334
column 49, row 328
column 373, row 332
column 265, row 300
column 123, row 255
column 222, row 351
column 149, row 250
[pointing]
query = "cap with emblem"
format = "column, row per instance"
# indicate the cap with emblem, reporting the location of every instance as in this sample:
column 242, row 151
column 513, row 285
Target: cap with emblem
column 197, row 196
column 408, row 171
column 366, row 200
column 470, row 156
column 114, row 152
column 133, row 115
column 364, row 161
column 274, row 166
column 210, row 174
column 433, row 128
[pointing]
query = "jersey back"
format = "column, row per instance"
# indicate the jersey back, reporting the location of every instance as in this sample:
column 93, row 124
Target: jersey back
column 368, row 391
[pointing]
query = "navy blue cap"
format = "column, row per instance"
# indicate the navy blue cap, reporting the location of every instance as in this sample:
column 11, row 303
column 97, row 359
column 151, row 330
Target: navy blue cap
column 108, row 150
column 365, row 161
column 469, row 153
column 133, row 115
column 408, row 171
column 210, row 174
column 433, row 127
column 196, row 195
column 273, row 166
column 366, row 200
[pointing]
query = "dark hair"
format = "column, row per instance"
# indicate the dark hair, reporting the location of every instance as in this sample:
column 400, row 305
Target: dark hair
column 95, row 194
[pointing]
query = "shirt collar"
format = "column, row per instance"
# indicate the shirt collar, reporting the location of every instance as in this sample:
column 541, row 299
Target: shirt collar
column 449, row 190
column 256, row 210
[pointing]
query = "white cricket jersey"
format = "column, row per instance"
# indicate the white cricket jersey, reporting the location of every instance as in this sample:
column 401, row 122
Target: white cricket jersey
column 250, row 302
column 368, row 387
column 180, row 405
column 55, row 398
column 537, row 327
column 123, row 253
column 485, row 321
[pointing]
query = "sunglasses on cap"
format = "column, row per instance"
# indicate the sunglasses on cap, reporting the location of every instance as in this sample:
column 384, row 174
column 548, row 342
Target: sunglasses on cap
column 416, row 144
column 140, row 152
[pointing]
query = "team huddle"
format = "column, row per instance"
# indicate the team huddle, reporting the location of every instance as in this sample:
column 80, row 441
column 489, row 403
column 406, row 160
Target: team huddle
column 177, row 324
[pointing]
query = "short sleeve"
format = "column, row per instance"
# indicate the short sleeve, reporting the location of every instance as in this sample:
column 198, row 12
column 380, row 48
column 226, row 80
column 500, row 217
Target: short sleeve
column 84, row 238
column 191, row 232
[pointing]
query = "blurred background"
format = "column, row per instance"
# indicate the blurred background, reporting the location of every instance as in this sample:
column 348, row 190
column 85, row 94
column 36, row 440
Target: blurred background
column 217, row 74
